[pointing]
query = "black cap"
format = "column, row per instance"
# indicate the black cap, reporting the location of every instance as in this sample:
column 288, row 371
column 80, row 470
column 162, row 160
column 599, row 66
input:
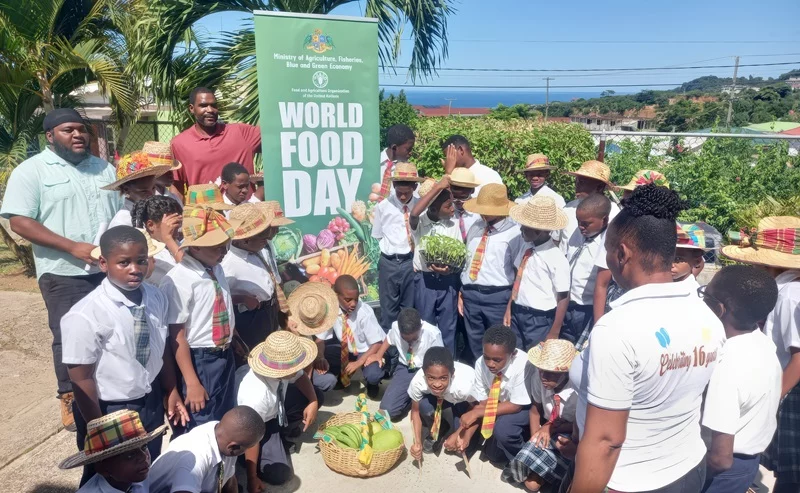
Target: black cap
column 61, row 115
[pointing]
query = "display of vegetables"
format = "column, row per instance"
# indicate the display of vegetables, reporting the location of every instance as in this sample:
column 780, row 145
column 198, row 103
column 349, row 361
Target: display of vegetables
column 443, row 250
column 359, row 211
column 349, row 436
column 288, row 244
column 310, row 244
column 325, row 239
column 328, row 266
column 338, row 226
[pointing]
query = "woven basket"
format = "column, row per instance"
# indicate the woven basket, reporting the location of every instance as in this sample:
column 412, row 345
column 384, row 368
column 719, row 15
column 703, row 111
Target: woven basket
column 345, row 460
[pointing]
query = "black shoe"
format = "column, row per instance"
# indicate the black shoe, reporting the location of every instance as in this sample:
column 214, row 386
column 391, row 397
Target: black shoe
column 427, row 445
column 372, row 391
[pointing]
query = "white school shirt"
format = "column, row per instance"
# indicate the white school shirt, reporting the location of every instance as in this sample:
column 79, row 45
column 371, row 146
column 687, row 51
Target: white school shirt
column 483, row 175
column 459, row 390
column 364, row 325
column 191, row 463
column 783, row 323
column 469, row 220
column 260, row 393
column 99, row 484
column 546, row 397
column 544, row 191
column 426, row 227
column 641, row 357
column 512, row 382
column 389, row 225
column 502, row 247
column 168, row 193
column 247, row 275
column 582, row 256
column 98, row 330
column 429, row 337
column 744, row 393
column 546, row 274
column 571, row 210
column 250, row 200
column 123, row 216
column 191, row 294
column 384, row 158
column 164, row 262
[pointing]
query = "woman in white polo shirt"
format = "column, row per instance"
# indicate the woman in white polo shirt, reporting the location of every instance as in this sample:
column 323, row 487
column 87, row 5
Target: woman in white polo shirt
column 640, row 381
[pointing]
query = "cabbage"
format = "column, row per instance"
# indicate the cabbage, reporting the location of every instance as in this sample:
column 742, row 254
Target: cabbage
column 326, row 239
column 309, row 243
column 288, row 244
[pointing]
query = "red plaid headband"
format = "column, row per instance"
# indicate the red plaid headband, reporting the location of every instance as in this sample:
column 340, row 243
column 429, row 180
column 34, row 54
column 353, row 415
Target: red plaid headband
column 784, row 240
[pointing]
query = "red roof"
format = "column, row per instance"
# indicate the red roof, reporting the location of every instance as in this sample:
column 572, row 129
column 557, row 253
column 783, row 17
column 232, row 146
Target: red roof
column 794, row 131
column 445, row 111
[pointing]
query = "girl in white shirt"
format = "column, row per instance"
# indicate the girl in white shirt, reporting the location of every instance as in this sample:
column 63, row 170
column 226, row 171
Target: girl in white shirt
column 136, row 180
column 162, row 218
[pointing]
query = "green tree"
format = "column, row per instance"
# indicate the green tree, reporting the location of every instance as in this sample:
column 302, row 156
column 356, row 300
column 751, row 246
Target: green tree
column 503, row 112
column 607, row 92
column 395, row 110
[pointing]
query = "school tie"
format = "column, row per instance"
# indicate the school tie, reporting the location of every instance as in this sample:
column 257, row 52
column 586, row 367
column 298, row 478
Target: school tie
column 385, row 182
column 141, row 334
column 556, row 408
column 410, row 357
column 573, row 261
column 221, row 477
column 520, row 271
column 437, row 419
column 490, row 415
column 221, row 320
column 409, row 238
column 282, row 304
column 477, row 259
column 462, row 226
column 282, row 422
column 347, row 338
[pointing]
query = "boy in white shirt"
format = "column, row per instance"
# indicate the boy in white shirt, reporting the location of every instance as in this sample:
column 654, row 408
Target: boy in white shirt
column 462, row 186
column 458, row 154
column 442, row 384
column 537, row 171
column 204, row 460
column 741, row 404
column 279, row 308
column 412, row 337
column 136, row 181
column 392, row 229
column 540, row 295
column 400, row 141
column 234, row 183
column 592, row 177
column 162, row 218
column 689, row 252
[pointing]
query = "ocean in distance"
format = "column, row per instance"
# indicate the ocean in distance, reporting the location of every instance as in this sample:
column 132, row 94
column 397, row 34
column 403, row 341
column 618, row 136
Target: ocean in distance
column 484, row 98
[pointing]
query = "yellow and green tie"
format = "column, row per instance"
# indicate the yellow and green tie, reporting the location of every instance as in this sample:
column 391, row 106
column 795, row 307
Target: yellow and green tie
column 490, row 415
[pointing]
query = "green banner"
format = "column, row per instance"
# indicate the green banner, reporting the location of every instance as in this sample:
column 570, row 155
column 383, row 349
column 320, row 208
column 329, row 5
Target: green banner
column 318, row 99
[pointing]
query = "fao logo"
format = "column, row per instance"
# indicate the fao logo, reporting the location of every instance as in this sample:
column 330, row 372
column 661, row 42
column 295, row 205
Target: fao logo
column 320, row 79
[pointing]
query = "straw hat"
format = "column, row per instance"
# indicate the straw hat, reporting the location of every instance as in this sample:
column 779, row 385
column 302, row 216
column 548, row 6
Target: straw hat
column 405, row 172
column 314, row 306
column 160, row 153
column 492, row 200
column 208, row 195
column 134, row 166
column 644, row 177
column 540, row 212
column 537, row 162
column 154, row 247
column 111, row 435
column 426, row 187
column 282, row 354
column 594, row 170
column 275, row 207
column 691, row 236
column 252, row 220
column 462, row 177
column 257, row 177
column 776, row 243
column 205, row 227
column 554, row 355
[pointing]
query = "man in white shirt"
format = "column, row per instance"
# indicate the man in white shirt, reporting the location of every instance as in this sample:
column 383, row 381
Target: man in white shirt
column 741, row 404
column 458, row 149
column 204, row 460
column 400, row 141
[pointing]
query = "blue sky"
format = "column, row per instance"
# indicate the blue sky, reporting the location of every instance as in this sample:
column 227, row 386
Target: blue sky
column 533, row 34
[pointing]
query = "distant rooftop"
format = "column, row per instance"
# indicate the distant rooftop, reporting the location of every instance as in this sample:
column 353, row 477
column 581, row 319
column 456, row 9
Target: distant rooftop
column 445, row 111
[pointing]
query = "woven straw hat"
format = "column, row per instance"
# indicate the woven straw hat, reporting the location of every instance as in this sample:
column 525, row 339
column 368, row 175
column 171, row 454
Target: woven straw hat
column 257, row 177
column 282, row 354
column 492, row 200
column 691, row 236
column 537, row 162
column 154, row 247
column 205, row 227
column 645, row 176
column 405, row 172
column 554, row 355
column 134, row 166
column 462, row 177
column 775, row 243
column 275, row 207
column 160, row 153
column 208, row 195
column 314, row 306
column 252, row 220
column 112, row 435
column 594, row 170
column 426, row 187
column 540, row 212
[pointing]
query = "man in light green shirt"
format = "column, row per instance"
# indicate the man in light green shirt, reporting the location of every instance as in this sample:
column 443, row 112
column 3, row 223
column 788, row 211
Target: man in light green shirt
column 54, row 201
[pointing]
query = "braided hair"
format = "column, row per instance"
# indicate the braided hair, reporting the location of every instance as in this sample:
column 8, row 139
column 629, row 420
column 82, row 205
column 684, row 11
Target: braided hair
column 153, row 209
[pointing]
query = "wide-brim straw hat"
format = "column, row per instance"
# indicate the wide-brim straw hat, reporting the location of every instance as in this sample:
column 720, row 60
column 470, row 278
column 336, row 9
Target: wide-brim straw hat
column 554, row 355
column 154, row 247
column 111, row 435
column 314, row 306
column 252, row 220
column 282, row 354
column 775, row 243
column 161, row 153
column 537, row 162
column 133, row 167
column 205, row 227
column 274, row 206
column 462, row 177
column 208, row 195
column 645, row 177
column 426, row 186
column 594, row 170
column 492, row 200
column 691, row 237
column 405, row 172
column 540, row 212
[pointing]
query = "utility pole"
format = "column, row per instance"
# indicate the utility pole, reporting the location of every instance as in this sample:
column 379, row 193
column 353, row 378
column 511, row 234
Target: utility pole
column 547, row 97
column 733, row 92
column 449, row 104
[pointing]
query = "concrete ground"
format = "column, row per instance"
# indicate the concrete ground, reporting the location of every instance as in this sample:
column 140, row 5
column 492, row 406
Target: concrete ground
column 32, row 442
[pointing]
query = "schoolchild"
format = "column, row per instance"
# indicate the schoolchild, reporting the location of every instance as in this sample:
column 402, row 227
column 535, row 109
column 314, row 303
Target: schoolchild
column 400, row 141
column 136, row 180
column 537, row 171
column 207, row 195
column 643, row 177
column 591, row 177
column 235, row 184
column 689, row 251
column 462, row 186
column 161, row 153
column 279, row 309
column 162, row 218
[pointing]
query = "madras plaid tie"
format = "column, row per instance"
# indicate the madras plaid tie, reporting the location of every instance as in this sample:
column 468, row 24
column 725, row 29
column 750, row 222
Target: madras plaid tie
column 282, row 304
column 477, row 259
column 141, row 334
column 347, row 338
column 520, row 272
column 221, row 477
column 490, row 415
column 437, row 419
column 282, row 421
column 221, row 320
column 410, row 357
column 409, row 238
column 385, row 183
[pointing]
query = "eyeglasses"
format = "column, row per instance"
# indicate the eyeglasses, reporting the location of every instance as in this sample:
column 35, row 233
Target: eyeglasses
column 711, row 301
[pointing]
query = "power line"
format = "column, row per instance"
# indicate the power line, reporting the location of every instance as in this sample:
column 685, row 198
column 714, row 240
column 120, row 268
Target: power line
column 528, row 87
column 616, row 42
column 637, row 69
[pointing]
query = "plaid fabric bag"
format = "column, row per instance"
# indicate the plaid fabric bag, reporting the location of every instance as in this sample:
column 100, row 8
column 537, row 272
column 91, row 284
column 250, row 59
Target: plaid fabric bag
column 783, row 455
column 547, row 463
